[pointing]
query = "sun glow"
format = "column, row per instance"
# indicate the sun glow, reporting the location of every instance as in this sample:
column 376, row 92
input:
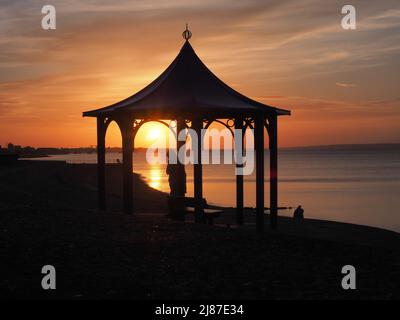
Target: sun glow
column 153, row 134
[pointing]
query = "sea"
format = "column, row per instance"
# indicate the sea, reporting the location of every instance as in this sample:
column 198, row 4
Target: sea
column 348, row 183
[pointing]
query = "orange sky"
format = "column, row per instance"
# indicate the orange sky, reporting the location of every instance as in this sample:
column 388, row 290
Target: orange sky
column 341, row 85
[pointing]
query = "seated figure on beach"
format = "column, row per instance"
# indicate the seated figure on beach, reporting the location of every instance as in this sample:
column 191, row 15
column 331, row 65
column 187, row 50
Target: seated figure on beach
column 298, row 214
column 176, row 179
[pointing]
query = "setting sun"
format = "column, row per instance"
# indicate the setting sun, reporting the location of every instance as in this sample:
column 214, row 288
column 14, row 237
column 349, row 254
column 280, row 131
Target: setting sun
column 153, row 134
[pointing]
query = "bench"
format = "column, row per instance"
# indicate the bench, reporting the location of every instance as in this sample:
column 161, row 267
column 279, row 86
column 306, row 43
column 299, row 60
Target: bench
column 180, row 206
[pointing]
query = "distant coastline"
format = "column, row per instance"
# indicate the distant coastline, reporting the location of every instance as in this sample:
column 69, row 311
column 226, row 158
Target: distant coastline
column 42, row 152
column 345, row 146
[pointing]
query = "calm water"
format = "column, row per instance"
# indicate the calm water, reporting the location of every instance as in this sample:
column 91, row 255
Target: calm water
column 358, row 185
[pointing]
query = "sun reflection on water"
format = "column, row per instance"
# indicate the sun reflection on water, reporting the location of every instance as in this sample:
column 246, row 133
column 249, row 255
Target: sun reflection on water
column 155, row 177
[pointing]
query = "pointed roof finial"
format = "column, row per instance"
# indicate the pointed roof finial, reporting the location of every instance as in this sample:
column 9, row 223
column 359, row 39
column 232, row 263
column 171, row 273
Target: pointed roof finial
column 187, row 34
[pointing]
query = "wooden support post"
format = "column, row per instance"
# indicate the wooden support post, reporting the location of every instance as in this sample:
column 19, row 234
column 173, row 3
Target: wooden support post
column 239, row 177
column 273, row 171
column 197, row 125
column 127, row 149
column 259, row 144
column 180, row 126
column 101, row 163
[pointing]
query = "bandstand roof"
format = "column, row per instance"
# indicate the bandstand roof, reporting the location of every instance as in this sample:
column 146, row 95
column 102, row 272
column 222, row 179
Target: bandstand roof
column 186, row 87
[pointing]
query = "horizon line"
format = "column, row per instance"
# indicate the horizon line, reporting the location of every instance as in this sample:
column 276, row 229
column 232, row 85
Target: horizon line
column 266, row 148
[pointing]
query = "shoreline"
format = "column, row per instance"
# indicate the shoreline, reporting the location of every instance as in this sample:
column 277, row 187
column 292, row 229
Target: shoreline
column 332, row 190
column 248, row 210
column 141, row 181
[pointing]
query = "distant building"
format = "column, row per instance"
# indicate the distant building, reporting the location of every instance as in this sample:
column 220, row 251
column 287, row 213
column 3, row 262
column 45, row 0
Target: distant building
column 8, row 156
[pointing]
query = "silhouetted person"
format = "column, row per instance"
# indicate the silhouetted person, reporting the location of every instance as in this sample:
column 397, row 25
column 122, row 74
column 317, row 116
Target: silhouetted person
column 298, row 214
column 176, row 179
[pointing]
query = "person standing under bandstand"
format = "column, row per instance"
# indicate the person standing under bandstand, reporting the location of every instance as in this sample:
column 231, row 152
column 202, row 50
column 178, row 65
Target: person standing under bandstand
column 176, row 179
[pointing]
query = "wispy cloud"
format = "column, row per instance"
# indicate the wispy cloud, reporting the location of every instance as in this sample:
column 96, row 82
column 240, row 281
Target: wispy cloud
column 345, row 85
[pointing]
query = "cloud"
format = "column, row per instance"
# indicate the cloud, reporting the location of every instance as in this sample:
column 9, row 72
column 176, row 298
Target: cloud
column 345, row 85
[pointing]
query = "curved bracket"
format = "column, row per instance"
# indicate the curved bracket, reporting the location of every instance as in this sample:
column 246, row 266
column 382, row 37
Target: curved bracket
column 248, row 123
column 228, row 125
column 267, row 124
column 107, row 122
column 137, row 124
column 188, row 124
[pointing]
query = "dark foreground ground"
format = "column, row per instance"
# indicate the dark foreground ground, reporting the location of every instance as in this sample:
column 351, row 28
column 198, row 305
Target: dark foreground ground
column 48, row 216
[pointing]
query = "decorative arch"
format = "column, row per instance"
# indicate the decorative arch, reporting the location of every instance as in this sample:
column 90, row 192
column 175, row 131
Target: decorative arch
column 106, row 124
column 226, row 125
column 137, row 124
